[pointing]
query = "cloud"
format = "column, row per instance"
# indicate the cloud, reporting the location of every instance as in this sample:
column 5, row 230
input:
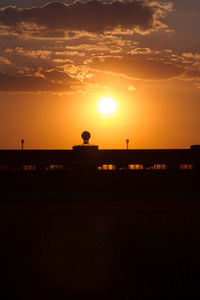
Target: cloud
column 91, row 16
column 192, row 74
column 140, row 68
column 57, row 76
column 28, row 3
column 51, row 81
column 143, row 51
column 4, row 60
column 43, row 54
column 131, row 88
column 190, row 55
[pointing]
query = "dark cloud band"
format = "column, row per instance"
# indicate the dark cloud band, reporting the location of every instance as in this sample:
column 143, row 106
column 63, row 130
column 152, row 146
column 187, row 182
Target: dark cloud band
column 52, row 81
column 92, row 16
column 138, row 68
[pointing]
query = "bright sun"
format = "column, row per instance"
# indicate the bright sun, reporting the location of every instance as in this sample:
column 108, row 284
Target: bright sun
column 107, row 105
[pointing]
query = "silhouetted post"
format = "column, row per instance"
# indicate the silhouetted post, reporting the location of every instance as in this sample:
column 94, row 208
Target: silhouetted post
column 22, row 144
column 127, row 142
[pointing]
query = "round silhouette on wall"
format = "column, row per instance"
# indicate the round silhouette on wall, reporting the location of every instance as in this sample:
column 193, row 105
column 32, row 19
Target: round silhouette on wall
column 85, row 136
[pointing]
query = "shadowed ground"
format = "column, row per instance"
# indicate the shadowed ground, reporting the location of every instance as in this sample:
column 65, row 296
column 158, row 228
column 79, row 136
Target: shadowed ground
column 100, row 245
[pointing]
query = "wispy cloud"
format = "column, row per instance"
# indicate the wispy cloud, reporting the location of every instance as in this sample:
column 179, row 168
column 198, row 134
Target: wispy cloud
column 4, row 60
column 43, row 54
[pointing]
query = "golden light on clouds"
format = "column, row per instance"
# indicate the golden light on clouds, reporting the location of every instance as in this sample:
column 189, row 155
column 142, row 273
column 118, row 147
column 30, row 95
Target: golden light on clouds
column 107, row 106
column 125, row 77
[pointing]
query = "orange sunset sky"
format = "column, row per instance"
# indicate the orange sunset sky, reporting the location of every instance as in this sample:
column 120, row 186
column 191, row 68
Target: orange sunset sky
column 58, row 59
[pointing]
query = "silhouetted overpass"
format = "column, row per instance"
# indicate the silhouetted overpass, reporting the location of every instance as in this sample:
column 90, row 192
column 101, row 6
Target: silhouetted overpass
column 90, row 157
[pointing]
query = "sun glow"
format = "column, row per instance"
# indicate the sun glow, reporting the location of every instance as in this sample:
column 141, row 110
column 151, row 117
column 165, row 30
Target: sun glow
column 107, row 105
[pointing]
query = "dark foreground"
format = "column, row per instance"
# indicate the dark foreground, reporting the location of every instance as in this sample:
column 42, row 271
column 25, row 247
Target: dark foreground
column 108, row 244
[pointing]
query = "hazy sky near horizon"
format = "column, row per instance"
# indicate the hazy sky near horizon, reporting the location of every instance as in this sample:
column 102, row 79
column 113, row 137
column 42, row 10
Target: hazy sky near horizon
column 58, row 58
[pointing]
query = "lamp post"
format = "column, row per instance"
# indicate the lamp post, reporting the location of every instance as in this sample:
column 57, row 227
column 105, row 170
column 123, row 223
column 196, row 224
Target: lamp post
column 127, row 142
column 22, row 144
